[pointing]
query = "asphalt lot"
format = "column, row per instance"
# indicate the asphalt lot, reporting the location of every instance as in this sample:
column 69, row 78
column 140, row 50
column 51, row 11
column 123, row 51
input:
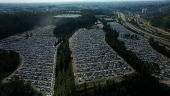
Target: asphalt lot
column 38, row 64
column 143, row 50
column 93, row 59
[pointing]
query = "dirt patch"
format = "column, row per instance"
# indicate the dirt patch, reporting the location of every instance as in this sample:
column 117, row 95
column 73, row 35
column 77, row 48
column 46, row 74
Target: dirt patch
column 167, row 82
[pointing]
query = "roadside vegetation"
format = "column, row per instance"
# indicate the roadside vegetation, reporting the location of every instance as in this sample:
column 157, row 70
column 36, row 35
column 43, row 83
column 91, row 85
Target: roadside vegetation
column 157, row 34
column 9, row 61
column 161, row 20
column 119, row 21
column 17, row 87
column 58, row 42
column 163, row 36
column 155, row 45
column 136, row 84
column 135, row 24
column 64, row 82
column 134, row 31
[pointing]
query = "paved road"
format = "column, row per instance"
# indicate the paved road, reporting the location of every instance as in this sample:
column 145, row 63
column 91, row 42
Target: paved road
column 167, row 33
column 159, row 39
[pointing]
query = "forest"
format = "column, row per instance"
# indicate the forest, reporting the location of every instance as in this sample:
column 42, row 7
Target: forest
column 161, row 20
column 9, row 61
column 155, row 45
column 11, row 24
column 17, row 87
column 67, row 28
column 136, row 84
column 64, row 82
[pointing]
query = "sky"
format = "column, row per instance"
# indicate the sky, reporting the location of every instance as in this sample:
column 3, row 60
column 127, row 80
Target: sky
column 33, row 1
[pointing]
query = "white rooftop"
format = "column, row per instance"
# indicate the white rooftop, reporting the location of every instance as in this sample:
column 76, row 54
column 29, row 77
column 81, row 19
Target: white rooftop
column 67, row 16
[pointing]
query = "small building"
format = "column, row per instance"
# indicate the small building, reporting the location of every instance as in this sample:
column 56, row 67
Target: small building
column 109, row 19
column 101, row 16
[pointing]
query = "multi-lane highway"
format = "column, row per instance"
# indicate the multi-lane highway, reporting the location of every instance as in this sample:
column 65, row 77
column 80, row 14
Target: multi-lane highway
column 163, row 32
column 159, row 39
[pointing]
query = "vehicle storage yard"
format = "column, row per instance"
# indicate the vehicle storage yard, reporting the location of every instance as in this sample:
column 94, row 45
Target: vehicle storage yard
column 39, row 65
column 47, row 30
column 93, row 59
column 40, row 31
column 144, row 51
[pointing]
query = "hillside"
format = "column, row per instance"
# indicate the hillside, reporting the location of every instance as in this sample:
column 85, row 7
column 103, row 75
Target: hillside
column 161, row 20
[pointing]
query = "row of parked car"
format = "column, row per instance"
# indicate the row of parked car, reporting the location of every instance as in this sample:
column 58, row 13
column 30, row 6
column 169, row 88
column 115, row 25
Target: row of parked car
column 143, row 50
column 44, row 30
column 38, row 53
column 93, row 58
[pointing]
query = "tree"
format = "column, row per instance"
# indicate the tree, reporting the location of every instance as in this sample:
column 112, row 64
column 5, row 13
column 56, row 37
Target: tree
column 27, row 36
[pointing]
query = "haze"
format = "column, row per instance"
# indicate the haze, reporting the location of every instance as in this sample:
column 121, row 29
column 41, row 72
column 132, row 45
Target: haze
column 39, row 1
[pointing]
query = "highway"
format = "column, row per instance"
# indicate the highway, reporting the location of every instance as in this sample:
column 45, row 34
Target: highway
column 159, row 39
column 164, row 32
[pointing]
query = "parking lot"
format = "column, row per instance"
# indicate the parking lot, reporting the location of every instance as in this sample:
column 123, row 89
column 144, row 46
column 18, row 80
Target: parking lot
column 39, row 65
column 143, row 50
column 40, row 31
column 45, row 30
column 93, row 59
